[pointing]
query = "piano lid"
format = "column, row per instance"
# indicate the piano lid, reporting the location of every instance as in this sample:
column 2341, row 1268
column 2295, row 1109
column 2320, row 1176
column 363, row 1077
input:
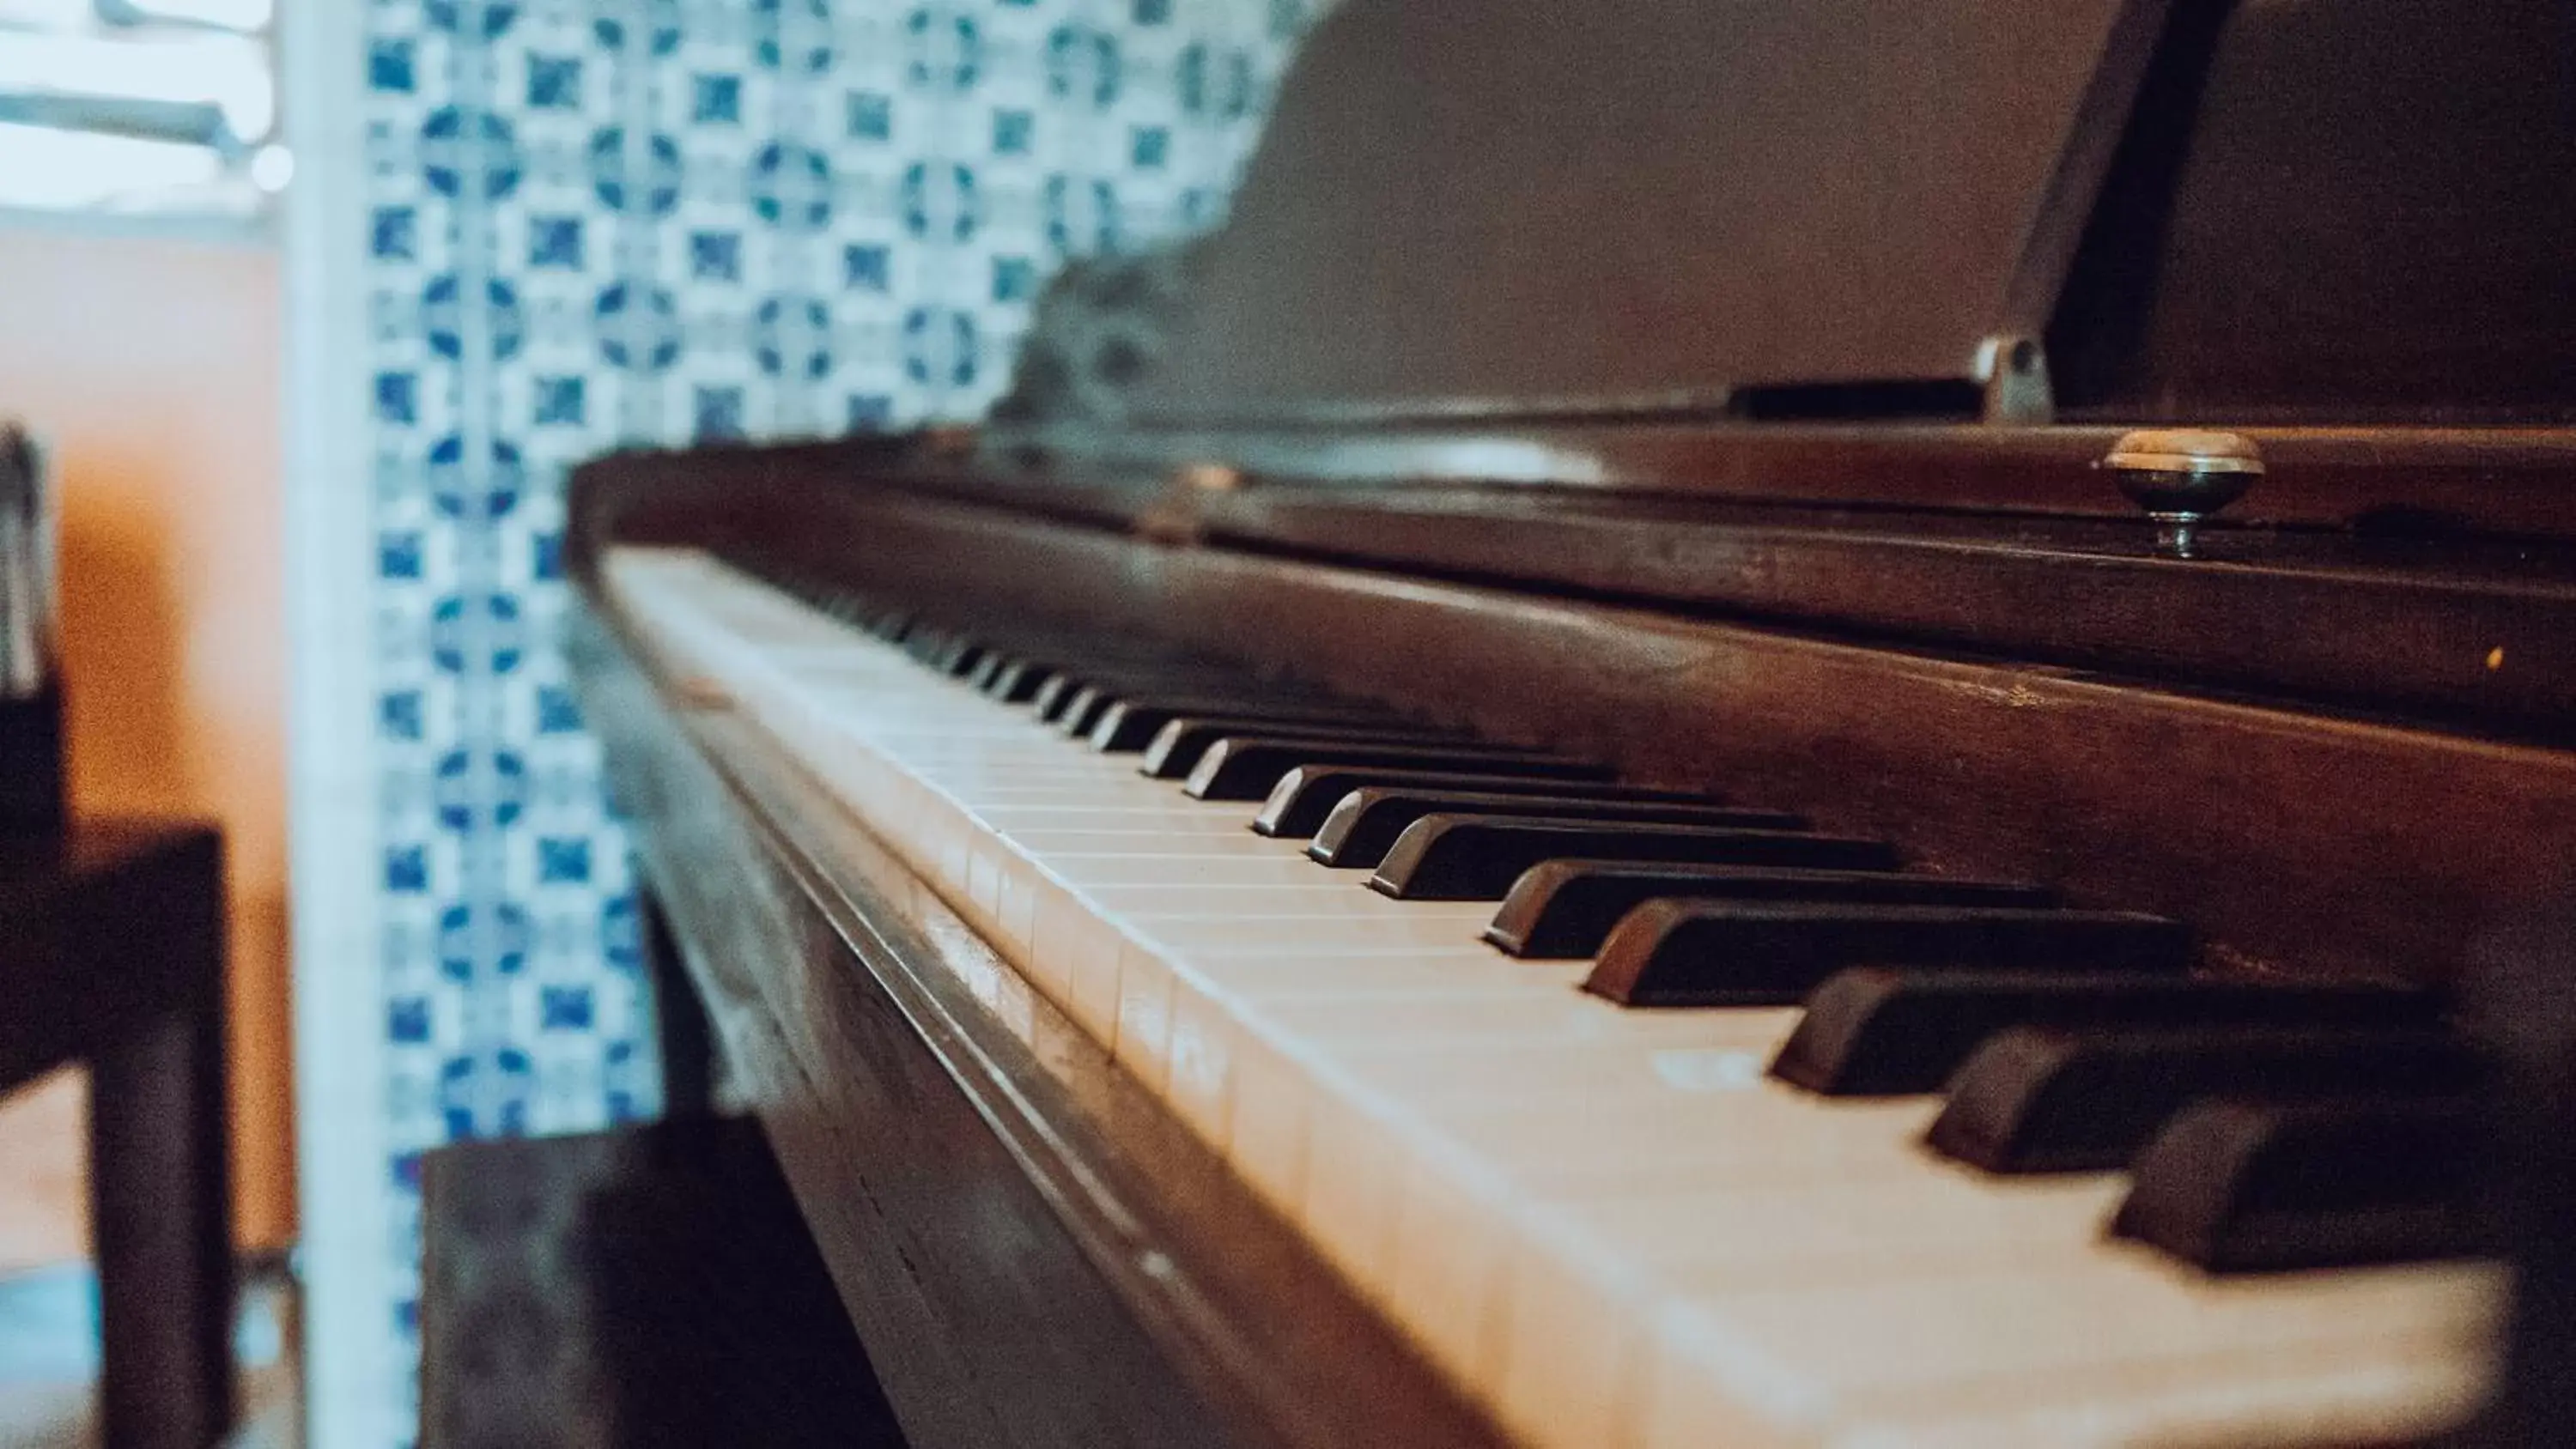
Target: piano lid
column 2293, row 209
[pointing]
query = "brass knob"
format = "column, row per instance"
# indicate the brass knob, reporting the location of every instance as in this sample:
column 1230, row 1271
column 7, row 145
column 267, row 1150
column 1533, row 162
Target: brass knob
column 2181, row 477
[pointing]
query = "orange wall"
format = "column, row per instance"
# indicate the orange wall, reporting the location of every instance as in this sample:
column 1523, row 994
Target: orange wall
column 151, row 366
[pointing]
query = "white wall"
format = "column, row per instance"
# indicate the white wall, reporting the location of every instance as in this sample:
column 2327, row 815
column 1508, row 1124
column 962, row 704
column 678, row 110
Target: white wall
column 151, row 366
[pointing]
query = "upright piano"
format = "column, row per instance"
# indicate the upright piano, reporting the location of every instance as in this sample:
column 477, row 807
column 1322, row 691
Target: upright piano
column 1747, row 723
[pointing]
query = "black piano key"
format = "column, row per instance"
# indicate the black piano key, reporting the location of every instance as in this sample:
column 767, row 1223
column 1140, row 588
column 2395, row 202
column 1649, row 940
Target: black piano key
column 1053, row 690
column 1477, row 857
column 1675, row 952
column 1564, row 909
column 1133, row 719
column 943, row 651
column 1130, row 725
column 1873, row 1031
column 1304, row 797
column 1057, row 698
column 1364, row 827
column 1016, row 680
column 1083, row 708
column 1182, row 742
column 840, row 605
column 2235, row 1186
column 1116, row 677
column 1183, row 745
column 1248, row 767
column 1054, row 693
column 1191, row 696
column 2034, row 1099
column 981, row 677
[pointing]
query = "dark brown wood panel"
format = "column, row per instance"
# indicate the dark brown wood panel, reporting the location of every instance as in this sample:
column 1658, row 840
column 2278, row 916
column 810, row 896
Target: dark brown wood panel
column 2432, row 484
column 2300, row 844
column 1653, row 200
column 2438, row 483
column 2467, row 635
column 2337, row 211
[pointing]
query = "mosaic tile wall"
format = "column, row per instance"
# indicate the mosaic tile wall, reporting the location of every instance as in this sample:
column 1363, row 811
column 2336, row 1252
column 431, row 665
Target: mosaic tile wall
column 600, row 221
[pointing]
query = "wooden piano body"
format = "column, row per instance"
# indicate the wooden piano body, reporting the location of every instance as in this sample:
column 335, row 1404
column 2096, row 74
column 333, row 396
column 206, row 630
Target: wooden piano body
column 1716, row 392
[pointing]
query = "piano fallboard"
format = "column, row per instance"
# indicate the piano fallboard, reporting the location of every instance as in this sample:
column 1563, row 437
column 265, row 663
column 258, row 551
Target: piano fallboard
column 2302, row 840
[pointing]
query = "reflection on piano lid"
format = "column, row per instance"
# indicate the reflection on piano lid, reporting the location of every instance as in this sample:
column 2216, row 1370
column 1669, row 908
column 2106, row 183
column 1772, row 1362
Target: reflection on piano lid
column 1770, row 723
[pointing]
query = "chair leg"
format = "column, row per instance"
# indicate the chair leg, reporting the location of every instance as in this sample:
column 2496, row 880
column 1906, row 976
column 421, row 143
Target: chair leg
column 161, row 1214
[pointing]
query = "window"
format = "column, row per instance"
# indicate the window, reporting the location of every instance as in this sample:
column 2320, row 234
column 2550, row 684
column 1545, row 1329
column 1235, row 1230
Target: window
column 139, row 106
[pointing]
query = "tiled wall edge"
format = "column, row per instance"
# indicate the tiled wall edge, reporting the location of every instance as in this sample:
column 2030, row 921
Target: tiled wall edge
column 340, row 1065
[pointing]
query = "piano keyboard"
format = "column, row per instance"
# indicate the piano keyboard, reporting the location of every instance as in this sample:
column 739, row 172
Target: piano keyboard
column 1615, row 1225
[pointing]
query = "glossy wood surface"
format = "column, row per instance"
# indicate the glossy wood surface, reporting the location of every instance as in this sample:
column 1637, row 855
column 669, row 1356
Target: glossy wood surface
column 2479, row 635
column 2298, row 843
column 1663, row 200
column 2459, row 631
column 2336, row 212
column 1034, row 1250
column 2322, row 213
column 2434, row 483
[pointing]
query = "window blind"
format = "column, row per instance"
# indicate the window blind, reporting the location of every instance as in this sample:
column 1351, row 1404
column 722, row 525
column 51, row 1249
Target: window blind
column 139, row 106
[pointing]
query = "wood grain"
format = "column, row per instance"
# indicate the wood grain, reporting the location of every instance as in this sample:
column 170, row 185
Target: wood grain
column 2299, row 843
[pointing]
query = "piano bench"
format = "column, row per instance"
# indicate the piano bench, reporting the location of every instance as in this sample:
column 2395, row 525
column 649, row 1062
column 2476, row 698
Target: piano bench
column 646, row 1287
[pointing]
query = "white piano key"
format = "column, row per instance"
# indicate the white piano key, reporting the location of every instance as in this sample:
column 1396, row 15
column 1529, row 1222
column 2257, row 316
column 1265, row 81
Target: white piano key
column 1094, row 956
column 2394, row 1392
column 1031, row 823
column 1340, row 922
column 1357, row 980
column 1144, row 1032
column 1199, row 1065
column 1266, row 1117
column 1062, row 922
column 1016, row 910
column 1305, row 900
column 1356, row 1151
column 1084, row 871
column 1797, row 1365
column 1060, row 844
